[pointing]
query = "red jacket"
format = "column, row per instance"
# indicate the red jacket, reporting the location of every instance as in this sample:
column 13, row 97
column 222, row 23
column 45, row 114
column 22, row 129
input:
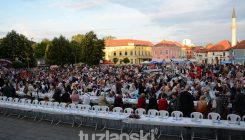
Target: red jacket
column 162, row 104
column 141, row 103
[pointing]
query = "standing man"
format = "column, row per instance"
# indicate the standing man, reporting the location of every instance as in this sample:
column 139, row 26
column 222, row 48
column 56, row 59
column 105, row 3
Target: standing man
column 186, row 104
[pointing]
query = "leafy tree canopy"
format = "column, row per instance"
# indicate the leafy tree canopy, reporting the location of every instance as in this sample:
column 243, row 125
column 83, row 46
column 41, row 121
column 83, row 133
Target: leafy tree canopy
column 126, row 60
column 16, row 46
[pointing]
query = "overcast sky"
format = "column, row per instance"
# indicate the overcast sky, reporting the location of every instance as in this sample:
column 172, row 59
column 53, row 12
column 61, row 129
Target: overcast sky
column 202, row 21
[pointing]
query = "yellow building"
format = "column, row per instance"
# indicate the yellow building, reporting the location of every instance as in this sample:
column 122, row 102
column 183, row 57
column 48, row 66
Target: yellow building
column 136, row 51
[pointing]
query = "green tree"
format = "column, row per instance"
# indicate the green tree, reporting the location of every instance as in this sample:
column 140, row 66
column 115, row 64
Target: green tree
column 92, row 49
column 40, row 48
column 59, row 52
column 126, row 60
column 115, row 60
column 109, row 37
column 16, row 46
column 77, row 38
column 76, row 52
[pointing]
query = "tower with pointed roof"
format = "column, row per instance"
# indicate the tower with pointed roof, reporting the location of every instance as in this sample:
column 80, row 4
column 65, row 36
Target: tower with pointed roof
column 233, row 29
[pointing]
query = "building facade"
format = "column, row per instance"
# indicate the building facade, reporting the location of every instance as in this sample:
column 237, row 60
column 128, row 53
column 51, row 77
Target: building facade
column 166, row 50
column 183, row 52
column 214, row 54
column 136, row 51
column 237, row 53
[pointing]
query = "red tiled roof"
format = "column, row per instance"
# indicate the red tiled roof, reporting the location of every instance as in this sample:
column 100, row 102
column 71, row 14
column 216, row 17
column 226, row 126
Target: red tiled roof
column 125, row 42
column 209, row 46
column 203, row 50
column 221, row 46
column 168, row 43
column 240, row 45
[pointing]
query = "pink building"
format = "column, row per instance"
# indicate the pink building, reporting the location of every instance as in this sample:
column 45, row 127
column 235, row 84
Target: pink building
column 166, row 50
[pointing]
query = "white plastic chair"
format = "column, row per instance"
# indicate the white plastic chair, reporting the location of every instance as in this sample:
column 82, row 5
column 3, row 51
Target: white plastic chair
column 164, row 114
column 79, row 107
column 153, row 113
column 117, row 109
column 56, row 105
column 35, row 102
column 83, row 119
column 42, row 103
column 128, row 111
column 72, row 107
column 49, row 104
column 87, row 107
column 140, row 111
column 215, row 117
column 28, row 102
column 178, row 115
column 4, row 99
column 63, row 105
column 104, row 109
column 22, row 101
column 9, row 100
column 233, row 118
column 196, row 116
column 15, row 100
column 96, row 108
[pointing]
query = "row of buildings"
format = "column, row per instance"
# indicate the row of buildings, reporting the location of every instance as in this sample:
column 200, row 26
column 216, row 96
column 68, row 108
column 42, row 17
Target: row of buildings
column 138, row 51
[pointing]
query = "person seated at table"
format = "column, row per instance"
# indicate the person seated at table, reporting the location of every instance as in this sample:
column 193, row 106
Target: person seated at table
column 132, row 88
column 86, row 97
column 112, row 94
column 8, row 90
column 102, row 100
column 163, row 103
column 95, row 91
column 118, row 102
column 75, row 97
column 141, row 101
column 202, row 106
column 152, row 102
column 66, row 97
column 57, row 93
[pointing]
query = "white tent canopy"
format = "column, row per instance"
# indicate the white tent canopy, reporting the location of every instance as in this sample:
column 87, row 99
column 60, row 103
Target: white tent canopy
column 146, row 62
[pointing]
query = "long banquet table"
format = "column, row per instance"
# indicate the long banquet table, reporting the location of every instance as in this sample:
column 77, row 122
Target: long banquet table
column 145, row 120
column 186, row 122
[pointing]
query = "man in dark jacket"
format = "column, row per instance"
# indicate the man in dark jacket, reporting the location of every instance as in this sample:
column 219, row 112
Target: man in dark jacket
column 153, row 102
column 66, row 97
column 186, row 104
column 57, row 95
column 8, row 90
column 239, row 103
column 118, row 102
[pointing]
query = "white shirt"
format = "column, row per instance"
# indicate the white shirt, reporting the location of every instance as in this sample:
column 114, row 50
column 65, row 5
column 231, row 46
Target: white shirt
column 86, row 99
column 94, row 93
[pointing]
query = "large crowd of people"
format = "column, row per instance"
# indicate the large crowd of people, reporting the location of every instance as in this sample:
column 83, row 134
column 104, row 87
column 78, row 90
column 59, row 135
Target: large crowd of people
column 214, row 88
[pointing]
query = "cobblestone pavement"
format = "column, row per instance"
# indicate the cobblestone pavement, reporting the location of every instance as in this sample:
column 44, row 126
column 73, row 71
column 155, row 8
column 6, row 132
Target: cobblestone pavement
column 12, row 128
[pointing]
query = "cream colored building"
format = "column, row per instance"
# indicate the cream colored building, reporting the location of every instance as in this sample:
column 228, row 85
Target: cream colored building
column 136, row 51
